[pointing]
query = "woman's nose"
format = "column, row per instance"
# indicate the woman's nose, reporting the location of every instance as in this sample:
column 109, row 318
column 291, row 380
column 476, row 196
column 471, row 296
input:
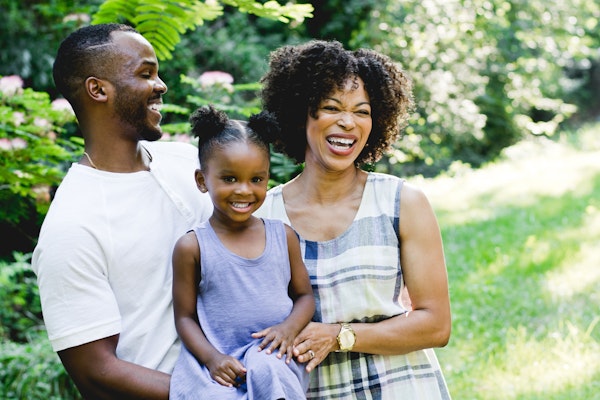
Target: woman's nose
column 346, row 120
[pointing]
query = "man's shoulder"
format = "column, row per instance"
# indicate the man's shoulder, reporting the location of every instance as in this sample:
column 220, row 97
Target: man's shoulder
column 164, row 148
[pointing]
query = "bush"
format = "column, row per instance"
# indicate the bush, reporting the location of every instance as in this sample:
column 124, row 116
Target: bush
column 20, row 308
column 30, row 368
column 35, row 149
column 33, row 371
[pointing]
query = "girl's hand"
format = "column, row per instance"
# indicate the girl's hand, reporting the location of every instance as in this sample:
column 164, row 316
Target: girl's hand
column 277, row 337
column 227, row 370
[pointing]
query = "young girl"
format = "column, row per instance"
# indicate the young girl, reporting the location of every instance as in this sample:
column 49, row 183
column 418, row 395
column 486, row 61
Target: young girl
column 239, row 283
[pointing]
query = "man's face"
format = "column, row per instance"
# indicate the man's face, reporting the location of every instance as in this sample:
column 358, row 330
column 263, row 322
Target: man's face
column 138, row 88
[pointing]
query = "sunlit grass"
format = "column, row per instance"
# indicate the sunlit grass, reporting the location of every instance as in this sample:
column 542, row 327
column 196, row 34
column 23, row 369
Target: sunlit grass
column 522, row 243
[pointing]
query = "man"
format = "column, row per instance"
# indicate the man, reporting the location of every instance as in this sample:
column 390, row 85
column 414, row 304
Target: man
column 103, row 258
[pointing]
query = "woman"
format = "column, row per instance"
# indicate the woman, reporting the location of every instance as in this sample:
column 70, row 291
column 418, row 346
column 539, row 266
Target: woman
column 365, row 237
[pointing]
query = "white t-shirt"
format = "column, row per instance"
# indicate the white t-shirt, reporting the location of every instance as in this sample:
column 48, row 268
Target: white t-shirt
column 103, row 258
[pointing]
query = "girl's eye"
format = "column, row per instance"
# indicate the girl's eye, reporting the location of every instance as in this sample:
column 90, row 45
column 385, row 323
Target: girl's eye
column 257, row 179
column 229, row 179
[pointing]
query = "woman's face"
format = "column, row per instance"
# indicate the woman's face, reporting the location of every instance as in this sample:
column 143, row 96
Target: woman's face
column 341, row 128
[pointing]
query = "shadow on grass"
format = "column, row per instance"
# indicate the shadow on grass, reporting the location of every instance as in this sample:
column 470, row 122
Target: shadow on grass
column 514, row 335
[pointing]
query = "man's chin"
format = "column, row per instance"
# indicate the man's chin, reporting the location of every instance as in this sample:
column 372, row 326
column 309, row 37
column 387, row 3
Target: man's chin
column 152, row 135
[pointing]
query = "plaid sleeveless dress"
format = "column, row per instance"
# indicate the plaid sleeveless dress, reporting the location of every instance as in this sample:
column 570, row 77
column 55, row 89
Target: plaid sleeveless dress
column 357, row 277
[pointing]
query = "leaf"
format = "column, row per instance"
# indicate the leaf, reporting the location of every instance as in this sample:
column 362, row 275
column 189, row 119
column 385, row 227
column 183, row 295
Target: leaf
column 156, row 20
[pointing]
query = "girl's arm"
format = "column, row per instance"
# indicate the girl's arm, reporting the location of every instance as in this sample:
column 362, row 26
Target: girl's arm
column 186, row 277
column 300, row 288
column 428, row 324
column 282, row 335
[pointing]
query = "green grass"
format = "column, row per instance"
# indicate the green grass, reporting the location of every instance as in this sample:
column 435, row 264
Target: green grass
column 522, row 243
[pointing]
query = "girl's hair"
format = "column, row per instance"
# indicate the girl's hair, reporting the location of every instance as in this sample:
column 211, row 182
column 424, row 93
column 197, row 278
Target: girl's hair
column 301, row 76
column 214, row 129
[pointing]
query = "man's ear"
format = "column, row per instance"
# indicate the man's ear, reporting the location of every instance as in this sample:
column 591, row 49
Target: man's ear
column 96, row 89
column 200, row 181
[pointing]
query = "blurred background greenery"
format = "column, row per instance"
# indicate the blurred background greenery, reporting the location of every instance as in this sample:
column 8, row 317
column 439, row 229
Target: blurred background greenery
column 504, row 137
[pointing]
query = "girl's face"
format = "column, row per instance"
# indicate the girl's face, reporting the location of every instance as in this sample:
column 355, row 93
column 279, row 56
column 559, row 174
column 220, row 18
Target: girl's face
column 236, row 178
column 342, row 127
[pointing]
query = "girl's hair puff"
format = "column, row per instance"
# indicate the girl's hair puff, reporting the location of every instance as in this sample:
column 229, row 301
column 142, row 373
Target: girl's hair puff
column 214, row 129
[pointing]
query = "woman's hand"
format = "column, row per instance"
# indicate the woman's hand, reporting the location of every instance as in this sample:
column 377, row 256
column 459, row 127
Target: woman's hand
column 315, row 342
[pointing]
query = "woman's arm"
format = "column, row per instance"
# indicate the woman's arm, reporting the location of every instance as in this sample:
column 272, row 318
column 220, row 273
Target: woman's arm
column 429, row 323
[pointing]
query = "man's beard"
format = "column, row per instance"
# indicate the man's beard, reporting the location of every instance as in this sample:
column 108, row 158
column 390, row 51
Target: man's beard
column 134, row 113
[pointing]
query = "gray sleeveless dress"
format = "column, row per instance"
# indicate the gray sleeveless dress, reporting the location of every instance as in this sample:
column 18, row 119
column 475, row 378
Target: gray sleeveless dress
column 236, row 297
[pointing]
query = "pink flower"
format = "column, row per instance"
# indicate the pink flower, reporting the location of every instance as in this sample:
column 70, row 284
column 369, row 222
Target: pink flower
column 18, row 118
column 18, row 143
column 42, row 193
column 211, row 78
column 80, row 17
column 11, row 85
column 181, row 138
column 41, row 122
column 5, row 144
column 62, row 105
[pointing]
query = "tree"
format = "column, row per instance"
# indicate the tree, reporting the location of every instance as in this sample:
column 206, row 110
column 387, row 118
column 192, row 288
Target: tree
column 163, row 22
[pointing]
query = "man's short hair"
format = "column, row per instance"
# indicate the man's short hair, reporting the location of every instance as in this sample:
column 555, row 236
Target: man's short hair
column 82, row 54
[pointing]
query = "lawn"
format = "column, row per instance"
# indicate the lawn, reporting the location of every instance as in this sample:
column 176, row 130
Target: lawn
column 522, row 244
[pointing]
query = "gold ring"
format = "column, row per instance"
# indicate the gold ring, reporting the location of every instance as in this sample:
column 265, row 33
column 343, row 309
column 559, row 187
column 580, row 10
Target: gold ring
column 311, row 354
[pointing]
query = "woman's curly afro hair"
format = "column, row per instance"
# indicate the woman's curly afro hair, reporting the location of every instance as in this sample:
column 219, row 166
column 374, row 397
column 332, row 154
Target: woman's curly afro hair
column 301, row 76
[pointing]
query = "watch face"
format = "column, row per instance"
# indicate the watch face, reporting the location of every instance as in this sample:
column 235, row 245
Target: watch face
column 346, row 339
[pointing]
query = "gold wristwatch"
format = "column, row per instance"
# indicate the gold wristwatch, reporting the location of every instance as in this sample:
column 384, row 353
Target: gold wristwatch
column 346, row 338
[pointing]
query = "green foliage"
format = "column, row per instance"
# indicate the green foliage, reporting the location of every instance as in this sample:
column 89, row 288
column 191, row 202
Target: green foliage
column 33, row 371
column 32, row 148
column 486, row 73
column 20, row 309
column 30, row 368
column 163, row 22
column 30, row 33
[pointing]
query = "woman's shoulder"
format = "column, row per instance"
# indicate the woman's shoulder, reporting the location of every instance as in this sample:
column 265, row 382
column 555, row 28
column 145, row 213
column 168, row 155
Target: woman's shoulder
column 272, row 205
column 382, row 177
column 384, row 184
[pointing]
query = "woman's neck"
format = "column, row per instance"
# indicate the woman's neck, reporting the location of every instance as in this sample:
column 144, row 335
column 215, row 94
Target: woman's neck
column 316, row 186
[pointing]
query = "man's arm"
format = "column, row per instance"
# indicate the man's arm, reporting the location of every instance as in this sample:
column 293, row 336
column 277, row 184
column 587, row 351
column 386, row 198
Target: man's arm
column 99, row 374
